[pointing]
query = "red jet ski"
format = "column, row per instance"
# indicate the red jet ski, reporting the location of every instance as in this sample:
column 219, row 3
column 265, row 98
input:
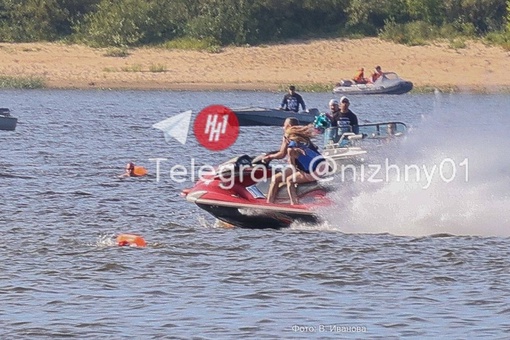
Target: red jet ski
column 236, row 194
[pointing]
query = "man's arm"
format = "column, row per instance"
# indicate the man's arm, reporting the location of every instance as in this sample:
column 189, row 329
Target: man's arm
column 354, row 123
column 302, row 102
column 284, row 102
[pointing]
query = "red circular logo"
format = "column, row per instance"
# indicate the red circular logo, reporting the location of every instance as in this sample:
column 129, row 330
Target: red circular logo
column 216, row 127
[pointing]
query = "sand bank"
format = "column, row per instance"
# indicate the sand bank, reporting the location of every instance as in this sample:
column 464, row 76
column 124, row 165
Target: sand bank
column 476, row 67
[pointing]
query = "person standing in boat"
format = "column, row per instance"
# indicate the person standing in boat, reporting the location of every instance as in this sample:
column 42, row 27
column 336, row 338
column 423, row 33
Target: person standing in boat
column 342, row 120
column 292, row 100
column 342, row 117
column 307, row 162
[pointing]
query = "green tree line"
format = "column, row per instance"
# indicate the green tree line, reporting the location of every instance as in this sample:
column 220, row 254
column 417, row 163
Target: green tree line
column 142, row 22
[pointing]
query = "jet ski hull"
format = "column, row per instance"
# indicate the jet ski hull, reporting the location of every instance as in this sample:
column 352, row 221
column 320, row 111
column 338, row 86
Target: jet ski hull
column 257, row 218
column 242, row 203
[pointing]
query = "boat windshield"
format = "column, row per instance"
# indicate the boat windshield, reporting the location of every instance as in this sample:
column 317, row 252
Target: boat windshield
column 338, row 137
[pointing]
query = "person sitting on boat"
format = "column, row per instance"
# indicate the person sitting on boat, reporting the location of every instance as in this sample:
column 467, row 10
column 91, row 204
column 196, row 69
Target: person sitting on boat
column 307, row 162
column 292, row 100
column 391, row 129
column 359, row 77
column 377, row 74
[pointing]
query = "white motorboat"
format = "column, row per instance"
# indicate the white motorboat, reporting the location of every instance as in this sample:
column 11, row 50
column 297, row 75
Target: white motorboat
column 389, row 83
column 349, row 147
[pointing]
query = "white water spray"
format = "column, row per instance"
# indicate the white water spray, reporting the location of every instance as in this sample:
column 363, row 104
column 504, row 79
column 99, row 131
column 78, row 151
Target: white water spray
column 466, row 140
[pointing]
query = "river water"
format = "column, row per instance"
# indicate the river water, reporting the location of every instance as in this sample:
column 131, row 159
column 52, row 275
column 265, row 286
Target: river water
column 427, row 255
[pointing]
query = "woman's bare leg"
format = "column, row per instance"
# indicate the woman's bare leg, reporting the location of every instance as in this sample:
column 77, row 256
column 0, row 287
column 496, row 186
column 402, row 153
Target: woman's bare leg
column 275, row 183
column 298, row 177
column 273, row 187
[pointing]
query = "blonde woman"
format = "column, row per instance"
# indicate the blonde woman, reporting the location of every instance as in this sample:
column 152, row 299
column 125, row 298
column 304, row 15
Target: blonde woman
column 307, row 163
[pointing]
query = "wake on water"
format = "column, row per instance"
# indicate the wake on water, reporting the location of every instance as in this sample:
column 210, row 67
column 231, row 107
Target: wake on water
column 448, row 175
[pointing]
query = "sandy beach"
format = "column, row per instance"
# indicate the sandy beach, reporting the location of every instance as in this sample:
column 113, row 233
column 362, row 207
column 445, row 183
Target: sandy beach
column 475, row 68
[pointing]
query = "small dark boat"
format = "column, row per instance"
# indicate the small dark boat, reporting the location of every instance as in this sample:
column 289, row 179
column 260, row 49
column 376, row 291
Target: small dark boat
column 259, row 116
column 389, row 83
column 7, row 122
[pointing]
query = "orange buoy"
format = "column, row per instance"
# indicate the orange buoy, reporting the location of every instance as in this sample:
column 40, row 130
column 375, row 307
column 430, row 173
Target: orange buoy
column 131, row 240
column 139, row 171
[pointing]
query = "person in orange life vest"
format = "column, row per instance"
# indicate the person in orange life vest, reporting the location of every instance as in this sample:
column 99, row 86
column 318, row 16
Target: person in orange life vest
column 377, row 74
column 359, row 77
column 134, row 171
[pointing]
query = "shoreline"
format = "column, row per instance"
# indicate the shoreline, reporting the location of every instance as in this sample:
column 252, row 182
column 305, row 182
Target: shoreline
column 476, row 68
column 277, row 88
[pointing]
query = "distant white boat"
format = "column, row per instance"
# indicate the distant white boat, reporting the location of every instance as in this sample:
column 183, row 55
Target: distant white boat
column 7, row 122
column 389, row 83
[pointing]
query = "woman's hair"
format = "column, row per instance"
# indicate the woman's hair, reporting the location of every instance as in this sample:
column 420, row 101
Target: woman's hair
column 292, row 121
column 301, row 134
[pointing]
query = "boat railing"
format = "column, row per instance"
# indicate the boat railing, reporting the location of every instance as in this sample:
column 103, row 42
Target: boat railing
column 339, row 137
column 382, row 130
column 335, row 137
